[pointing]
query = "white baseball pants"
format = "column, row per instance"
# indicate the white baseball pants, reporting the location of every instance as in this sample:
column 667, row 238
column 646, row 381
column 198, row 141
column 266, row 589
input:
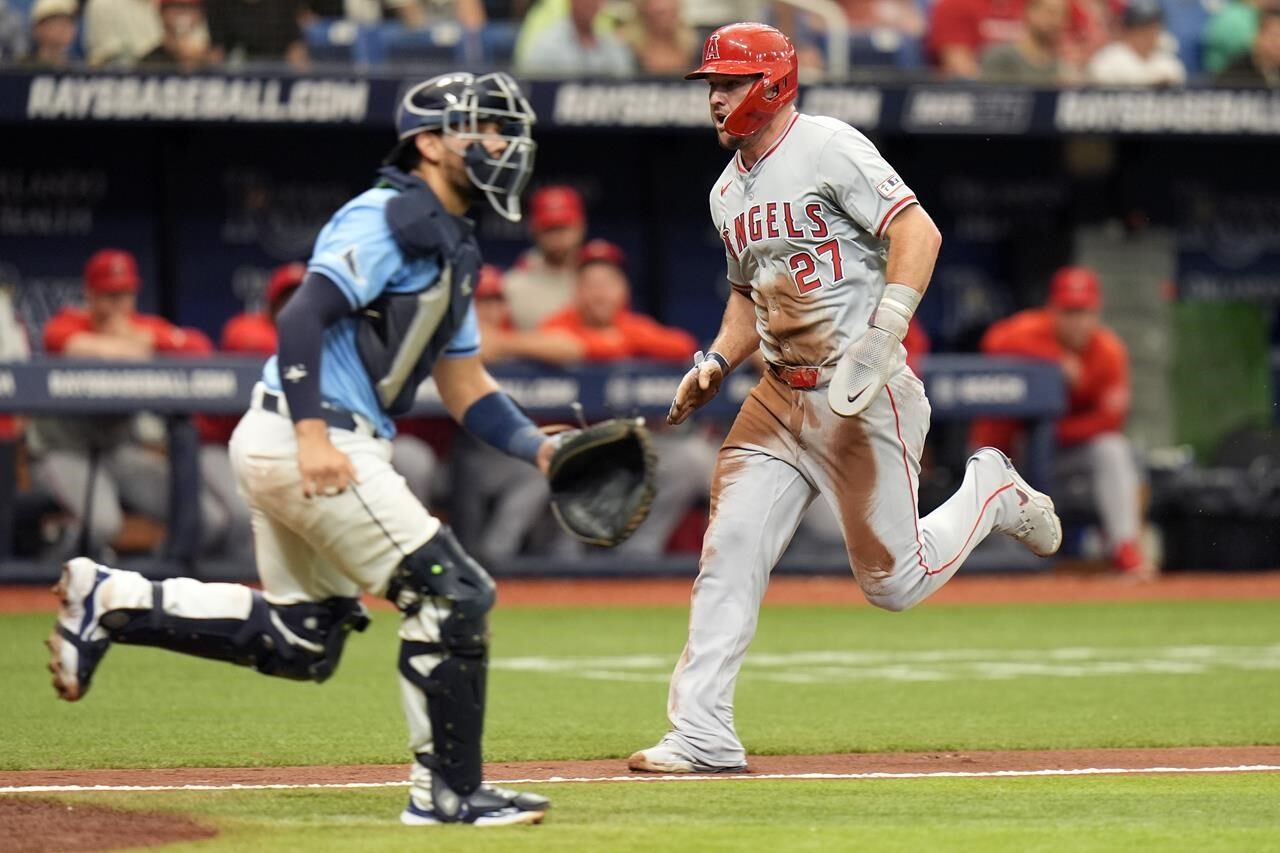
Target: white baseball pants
column 786, row 448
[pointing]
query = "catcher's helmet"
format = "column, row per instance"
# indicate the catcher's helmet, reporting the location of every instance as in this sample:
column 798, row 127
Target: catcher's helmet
column 755, row 50
column 456, row 105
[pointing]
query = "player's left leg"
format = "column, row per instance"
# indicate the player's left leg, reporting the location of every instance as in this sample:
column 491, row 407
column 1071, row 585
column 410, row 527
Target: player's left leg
column 445, row 597
column 220, row 621
column 868, row 468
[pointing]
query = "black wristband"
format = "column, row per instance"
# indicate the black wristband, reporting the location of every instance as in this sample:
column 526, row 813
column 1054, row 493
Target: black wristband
column 724, row 364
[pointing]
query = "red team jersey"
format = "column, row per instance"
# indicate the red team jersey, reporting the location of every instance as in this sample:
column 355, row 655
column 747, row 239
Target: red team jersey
column 632, row 336
column 1096, row 404
column 168, row 338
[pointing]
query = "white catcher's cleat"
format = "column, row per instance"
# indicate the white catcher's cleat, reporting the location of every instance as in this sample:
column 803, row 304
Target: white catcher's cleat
column 78, row 642
column 1035, row 523
column 667, row 757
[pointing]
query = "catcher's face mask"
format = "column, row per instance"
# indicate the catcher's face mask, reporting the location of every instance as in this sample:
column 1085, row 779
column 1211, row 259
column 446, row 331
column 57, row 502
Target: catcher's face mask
column 490, row 118
column 500, row 171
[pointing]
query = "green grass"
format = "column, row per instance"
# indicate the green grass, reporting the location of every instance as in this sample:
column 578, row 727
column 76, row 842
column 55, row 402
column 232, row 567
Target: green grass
column 818, row 679
column 149, row 708
column 1225, row 813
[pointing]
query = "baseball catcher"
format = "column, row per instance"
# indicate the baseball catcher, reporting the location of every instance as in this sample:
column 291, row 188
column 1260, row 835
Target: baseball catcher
column 386, row 302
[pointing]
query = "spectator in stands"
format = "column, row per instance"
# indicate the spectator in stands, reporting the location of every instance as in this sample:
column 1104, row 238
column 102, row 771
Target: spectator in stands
column 129, row 474
column 413, row 14
column 572, row 46
column 543, row 279
column 120, row 32
column 13, row 33
column 243, row 31
column 1091, row 441
column 53, row 33
column 1143, row 53
column 899, row 16
column 1231, row 32
column 1033, row 57
column 186, row 36
column 663, row 44
column 600, row 318
column 500, row 340
column 1261, row 65
column 960, row 30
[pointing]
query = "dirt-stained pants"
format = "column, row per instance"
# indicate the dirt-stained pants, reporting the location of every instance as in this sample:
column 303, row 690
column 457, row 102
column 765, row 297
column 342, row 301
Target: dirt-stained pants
column 786, row 448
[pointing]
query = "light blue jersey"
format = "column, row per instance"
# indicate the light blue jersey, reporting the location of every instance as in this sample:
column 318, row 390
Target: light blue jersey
column 356, row 251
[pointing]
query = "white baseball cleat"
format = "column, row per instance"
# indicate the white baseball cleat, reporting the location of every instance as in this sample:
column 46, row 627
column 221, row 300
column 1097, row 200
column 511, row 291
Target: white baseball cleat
column 1035, row 522
column 78, row 642
column 667, row 757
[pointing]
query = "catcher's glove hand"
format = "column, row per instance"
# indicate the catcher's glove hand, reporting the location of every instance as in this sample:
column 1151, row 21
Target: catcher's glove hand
column 602, row 480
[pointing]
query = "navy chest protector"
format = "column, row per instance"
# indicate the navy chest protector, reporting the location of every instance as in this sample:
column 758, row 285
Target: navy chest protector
column 400, row 335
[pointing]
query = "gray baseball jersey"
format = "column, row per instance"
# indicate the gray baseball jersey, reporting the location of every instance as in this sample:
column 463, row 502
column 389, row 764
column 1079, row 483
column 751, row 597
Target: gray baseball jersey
column 804, row 236
column 804, row 231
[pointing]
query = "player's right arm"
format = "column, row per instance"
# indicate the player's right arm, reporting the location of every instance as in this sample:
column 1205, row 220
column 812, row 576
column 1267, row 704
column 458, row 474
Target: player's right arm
column 318, row 304
column 738, row 337
column 737, row 340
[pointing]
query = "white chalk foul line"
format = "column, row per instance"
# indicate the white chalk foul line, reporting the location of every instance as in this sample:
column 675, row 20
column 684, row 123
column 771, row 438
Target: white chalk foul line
column 697, row 777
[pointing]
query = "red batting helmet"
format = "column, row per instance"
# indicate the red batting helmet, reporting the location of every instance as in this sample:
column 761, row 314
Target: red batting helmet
column 755, row 50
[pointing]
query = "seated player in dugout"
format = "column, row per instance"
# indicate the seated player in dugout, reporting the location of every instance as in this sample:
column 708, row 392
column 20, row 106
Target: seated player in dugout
column 386, row 302
column 131, row 471
column 1091, row 440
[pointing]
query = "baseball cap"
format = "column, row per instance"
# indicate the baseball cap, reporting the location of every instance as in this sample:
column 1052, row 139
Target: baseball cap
column 249, row 333
column 1138, row 13
column 601, row 251
column 112, row 271
column 48, row 8
column 1075, row 288
column 489, row 283
column 283, row 280
column 556, row 206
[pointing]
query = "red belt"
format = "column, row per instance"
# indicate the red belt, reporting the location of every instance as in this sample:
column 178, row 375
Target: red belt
column 803, row 378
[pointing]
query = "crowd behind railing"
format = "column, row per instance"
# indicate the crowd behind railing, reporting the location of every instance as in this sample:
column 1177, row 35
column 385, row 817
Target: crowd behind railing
column 1154, row 43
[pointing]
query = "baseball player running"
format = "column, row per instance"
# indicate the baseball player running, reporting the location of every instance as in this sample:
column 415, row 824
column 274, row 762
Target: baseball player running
column 387, row 301
column 829, row 254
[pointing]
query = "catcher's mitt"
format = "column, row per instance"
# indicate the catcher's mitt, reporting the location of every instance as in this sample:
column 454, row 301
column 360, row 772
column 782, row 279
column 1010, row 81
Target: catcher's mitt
column 602, row 480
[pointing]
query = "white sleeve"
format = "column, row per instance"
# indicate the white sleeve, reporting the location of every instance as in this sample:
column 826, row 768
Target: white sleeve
column 733, row 268
column 861, row 182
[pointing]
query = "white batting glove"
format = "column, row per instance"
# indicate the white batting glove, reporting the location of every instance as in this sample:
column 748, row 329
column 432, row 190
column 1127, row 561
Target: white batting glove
column 874, row 358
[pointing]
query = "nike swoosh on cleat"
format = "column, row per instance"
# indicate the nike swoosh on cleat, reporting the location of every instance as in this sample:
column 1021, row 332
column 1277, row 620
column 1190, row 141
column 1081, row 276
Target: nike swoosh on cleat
column 854, row 397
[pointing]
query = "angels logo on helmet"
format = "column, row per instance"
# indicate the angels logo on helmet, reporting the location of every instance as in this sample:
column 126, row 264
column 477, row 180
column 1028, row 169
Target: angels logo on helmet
column 713, row 48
